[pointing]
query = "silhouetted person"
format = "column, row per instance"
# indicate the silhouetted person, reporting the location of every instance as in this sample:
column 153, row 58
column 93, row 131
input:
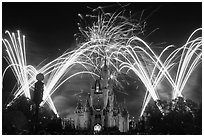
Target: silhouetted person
column 38, row 96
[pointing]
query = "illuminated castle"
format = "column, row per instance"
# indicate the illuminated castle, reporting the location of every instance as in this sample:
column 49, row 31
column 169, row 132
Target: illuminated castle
column 101, row 111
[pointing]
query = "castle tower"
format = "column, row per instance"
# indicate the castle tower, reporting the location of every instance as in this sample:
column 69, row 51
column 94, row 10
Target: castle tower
column 97, row 104
column 105, row 82
column 101, row 108
column 109, row 115
column 123, row 118
column 115, row 112
column 87, row 114
column 79, row 115
column 96, row 90
column 105, row 74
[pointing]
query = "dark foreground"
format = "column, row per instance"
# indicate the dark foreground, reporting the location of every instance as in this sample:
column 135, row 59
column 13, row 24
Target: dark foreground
column 178, row 117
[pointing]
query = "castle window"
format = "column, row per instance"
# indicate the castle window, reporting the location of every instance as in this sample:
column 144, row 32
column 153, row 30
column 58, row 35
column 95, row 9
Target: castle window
column 97, row 89
column 97, row 116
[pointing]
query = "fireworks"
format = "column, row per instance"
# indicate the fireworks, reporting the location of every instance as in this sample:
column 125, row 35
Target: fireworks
column 184, row 60
column 55, row 70
column 110, row 37
column 16, row 59
column 189, row 58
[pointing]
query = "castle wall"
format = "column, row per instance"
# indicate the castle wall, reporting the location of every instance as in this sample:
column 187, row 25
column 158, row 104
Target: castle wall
column 82, row 120
column 110, row 120
column 76, row 121
column 123, row 123
column 86, row 120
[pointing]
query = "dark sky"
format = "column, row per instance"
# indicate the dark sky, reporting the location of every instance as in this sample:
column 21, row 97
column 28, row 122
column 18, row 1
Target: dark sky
column 52, row 25
column 49, row 27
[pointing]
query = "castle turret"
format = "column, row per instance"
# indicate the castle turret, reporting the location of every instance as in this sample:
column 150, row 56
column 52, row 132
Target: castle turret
column 123, row 118
column 109, row 115
column 87, row 114
column 79, row 115
column 105, row 74
column 87, row 106
column 124, row 111
column 108, row 107
column 115, row 107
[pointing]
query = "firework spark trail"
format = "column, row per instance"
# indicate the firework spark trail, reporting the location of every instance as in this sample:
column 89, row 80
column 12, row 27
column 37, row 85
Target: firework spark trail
column 134, row 63
column 114, row 32
column 107, row 24
column 24, row 74
column 108, row 32
column 163, row 73
column 188, row 61
column 17, row 61
column 189, row 50
column 68, row 60
column 140, row 67
column 108, row 29
column 54, row 81
column 115, row 37
column 64, row 65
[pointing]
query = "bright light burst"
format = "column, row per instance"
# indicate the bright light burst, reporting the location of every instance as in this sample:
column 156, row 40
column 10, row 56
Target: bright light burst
column 114, row 38
column 189, row 56
column 55, row 70
column 183, row 61
column 15, row 48
column 104, row 34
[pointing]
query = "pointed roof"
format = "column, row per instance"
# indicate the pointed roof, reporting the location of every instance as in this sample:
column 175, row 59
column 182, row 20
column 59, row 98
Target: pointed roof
column 105, row 66
column 115, row 106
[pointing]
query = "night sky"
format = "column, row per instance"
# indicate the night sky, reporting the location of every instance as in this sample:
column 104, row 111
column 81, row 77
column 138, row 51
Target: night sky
column 50, row 29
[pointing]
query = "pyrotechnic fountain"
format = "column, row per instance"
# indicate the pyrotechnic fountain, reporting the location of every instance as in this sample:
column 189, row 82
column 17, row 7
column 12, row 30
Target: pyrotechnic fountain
column 190, row 56
column 184, row 60
column 16, row 59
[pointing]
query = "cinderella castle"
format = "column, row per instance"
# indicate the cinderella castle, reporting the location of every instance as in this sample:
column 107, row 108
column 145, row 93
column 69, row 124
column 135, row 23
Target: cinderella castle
column 101, row 110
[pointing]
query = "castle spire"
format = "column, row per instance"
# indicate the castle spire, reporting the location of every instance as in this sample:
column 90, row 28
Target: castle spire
column 87, row 105
column 105, row 62
column 108, row 104
column 115, row 101
column 124, row 109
